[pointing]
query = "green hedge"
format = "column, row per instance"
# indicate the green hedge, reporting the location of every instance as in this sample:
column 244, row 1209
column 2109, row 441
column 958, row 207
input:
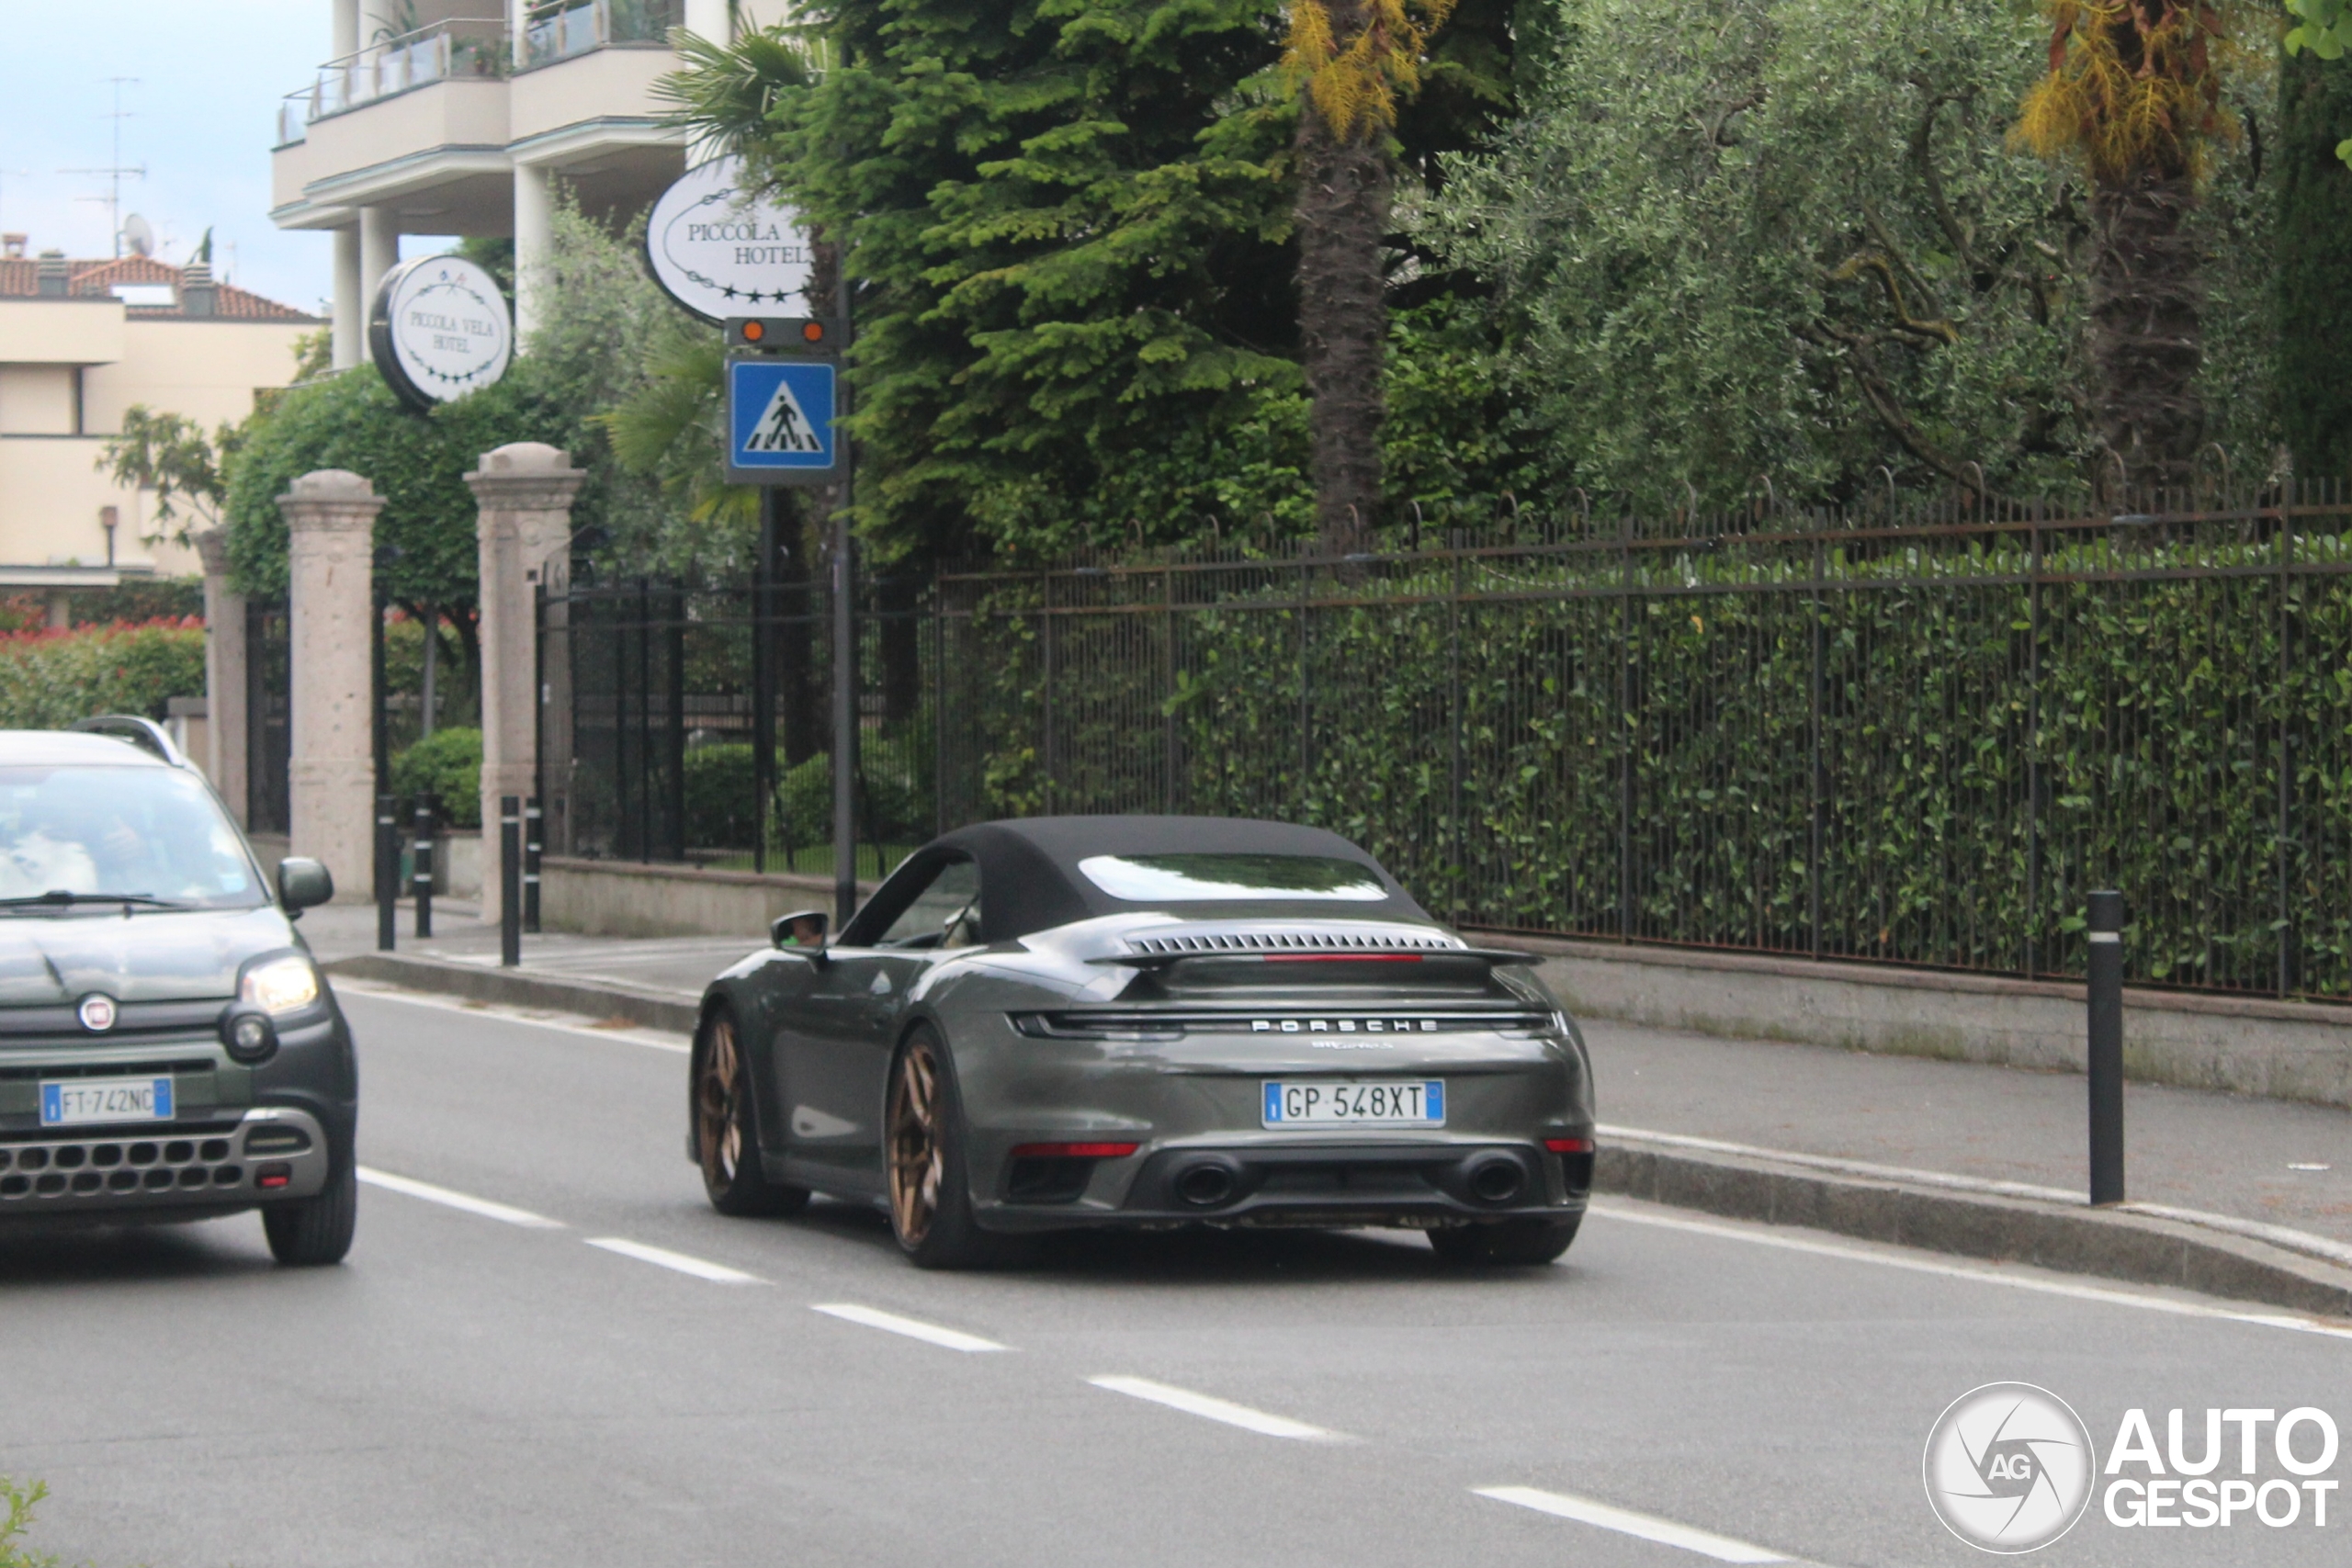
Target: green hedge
column 1636, row 737
column 48, row 679
column 445, row 768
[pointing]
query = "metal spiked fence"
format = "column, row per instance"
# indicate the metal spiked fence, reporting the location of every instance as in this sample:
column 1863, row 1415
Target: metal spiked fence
column 1915, row 737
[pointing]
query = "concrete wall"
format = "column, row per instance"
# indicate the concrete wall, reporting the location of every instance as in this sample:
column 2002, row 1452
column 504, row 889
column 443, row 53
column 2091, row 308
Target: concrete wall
column 601, row 84
column 208, row 369
column 615, row 898
column 465, row 113
column 2242, row 1044
column 51, row 492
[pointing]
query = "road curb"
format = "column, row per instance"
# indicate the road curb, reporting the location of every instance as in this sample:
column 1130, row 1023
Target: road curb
column 514, row 988
column 2115, row 1245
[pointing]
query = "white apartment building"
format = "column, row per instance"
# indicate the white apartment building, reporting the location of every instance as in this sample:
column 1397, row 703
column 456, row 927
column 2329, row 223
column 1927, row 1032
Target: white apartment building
column 456, row 117
column 80, row 341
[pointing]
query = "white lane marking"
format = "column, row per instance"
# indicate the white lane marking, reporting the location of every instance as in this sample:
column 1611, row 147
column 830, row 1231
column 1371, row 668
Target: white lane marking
column 1666, row 1532
column 661, row 1256
column 471, row 1205
column 376, row 990
column 1213, row 1408
column 1985, row 1274
column 2293, row 1240
column 913, row 1329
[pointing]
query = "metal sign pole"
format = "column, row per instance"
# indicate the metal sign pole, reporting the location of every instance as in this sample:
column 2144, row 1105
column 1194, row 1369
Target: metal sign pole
column 845, row 653
column 2107, row 1047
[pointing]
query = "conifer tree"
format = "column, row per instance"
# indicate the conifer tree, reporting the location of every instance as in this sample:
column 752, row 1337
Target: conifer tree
column 1065, row 221
column 2314, row 238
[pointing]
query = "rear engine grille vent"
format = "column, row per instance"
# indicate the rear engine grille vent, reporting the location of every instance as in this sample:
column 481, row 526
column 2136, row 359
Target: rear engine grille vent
column 1293, row 942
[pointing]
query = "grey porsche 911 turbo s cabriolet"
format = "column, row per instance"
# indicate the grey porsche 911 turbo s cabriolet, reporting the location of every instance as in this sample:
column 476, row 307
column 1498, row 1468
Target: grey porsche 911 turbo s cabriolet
column 1060, row 1024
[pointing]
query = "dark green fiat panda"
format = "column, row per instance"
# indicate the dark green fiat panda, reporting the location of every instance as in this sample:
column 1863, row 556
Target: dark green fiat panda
column 168, row 1050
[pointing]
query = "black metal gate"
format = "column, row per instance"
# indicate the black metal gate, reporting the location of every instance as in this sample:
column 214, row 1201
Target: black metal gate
column 684, row 722
column 269, row 731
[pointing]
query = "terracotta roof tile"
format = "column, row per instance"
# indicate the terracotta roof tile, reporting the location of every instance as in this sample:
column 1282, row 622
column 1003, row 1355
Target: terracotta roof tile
column 20, row 278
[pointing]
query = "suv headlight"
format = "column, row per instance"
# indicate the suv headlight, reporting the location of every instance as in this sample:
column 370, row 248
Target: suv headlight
column 281, row 986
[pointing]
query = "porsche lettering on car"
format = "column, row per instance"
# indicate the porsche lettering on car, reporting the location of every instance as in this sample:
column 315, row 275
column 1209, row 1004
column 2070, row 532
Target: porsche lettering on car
column 1065, row 1023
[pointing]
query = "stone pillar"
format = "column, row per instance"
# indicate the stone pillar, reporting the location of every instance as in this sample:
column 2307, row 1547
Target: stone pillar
column 534, row 244
column 350, row 339
column 224, row 675
column 525, row 536
column 330, row 594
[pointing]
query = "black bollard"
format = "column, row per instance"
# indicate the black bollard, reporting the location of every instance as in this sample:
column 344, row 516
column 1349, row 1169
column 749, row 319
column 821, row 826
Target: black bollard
column 387, row 873
column 532, row 828
column 421, row 874
column 510, row 881
column 2107, row 1047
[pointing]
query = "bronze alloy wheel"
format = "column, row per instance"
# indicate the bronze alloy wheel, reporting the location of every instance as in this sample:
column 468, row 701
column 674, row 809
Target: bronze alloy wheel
column 718, row 1121
column 917, row 1157
column 726, row 1128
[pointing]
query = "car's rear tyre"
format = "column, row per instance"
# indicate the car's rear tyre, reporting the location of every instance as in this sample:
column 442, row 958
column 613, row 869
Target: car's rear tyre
column 1508, row 1243
column 311, row 1233
column 726, row 1129
column 923, row 1157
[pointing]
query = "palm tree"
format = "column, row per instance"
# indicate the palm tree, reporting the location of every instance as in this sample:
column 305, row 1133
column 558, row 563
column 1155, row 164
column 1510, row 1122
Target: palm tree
column 2134, row 90
column 1349, row 61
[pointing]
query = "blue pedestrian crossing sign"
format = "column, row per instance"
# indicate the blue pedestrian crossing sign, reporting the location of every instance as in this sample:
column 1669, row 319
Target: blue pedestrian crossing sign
column 780, row 422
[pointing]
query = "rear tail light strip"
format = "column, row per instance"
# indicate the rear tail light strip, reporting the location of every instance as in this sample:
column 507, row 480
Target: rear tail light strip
column 1074, row 1151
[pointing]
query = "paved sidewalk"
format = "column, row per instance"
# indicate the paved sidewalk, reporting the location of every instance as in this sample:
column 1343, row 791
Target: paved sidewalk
column 2274, row 1162
column 683, row 965
column 2234, row 1155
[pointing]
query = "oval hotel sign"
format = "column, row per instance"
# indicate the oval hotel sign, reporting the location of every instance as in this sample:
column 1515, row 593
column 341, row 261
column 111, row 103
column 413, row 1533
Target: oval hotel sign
column 439, row 330
column 721, row 253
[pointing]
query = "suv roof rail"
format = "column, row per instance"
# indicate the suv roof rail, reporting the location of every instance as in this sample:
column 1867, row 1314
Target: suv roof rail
column 143, row 733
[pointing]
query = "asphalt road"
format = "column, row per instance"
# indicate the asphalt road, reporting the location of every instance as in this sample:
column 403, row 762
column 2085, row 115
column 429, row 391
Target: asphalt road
column 471, row 1388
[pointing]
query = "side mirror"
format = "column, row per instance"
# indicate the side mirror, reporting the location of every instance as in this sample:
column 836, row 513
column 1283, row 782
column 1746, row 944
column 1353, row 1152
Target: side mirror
column 302, row 881
column 801, row 931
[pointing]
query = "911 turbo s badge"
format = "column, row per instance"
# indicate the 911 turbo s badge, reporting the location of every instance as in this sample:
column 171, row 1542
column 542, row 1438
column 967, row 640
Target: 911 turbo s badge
column 1342, row 1025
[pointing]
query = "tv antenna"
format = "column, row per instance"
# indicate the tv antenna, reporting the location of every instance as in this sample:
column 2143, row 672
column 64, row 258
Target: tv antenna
column 117, row 171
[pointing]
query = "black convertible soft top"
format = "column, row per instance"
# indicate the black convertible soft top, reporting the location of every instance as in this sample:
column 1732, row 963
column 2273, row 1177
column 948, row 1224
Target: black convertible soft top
column 1030, row 880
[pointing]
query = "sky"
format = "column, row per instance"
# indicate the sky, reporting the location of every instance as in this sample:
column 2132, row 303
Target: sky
column 202, row 116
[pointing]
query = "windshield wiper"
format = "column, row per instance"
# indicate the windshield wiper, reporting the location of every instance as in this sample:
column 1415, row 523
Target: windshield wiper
column 64, row 898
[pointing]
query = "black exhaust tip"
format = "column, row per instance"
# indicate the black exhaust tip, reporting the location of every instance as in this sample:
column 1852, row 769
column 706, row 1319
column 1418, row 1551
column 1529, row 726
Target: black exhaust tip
column 1206, row 1184
column 1496, row 1178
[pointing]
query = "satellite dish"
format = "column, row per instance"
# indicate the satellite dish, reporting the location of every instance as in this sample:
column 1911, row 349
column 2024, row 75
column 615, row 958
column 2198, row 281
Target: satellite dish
column 136, row 237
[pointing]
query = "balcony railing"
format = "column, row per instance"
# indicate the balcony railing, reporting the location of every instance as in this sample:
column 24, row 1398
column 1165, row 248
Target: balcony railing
column 561, row 28
column 455, row 47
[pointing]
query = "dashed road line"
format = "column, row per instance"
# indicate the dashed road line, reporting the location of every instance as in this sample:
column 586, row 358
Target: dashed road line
column 1625, row 1521
column 409, row 1188
column 661, row 1256
column 913, row 1329
column 1215, row 1409
column 1983, row 1275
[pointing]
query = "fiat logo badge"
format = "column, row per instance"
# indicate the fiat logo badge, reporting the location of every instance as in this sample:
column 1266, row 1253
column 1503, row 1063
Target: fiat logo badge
column 97, row 1013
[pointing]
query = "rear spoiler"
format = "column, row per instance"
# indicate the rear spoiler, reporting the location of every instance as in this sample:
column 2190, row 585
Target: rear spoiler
column 1487, row 955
